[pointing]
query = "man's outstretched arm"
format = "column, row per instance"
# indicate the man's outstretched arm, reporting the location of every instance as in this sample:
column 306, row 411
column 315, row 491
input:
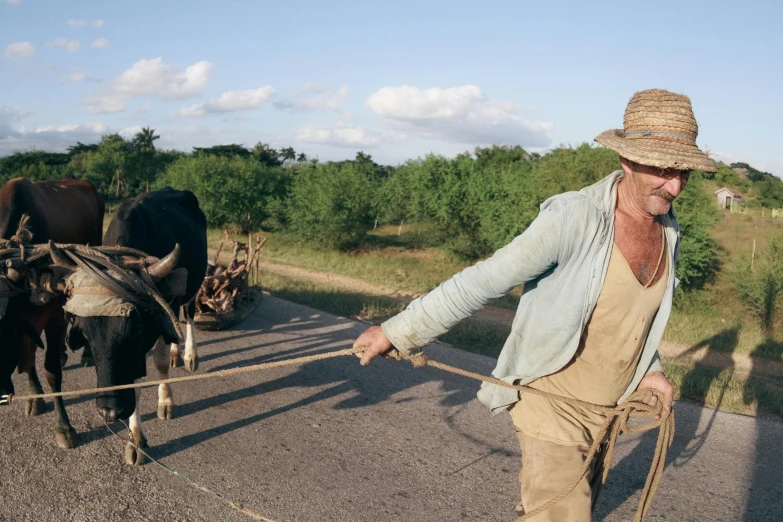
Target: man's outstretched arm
column 529, row 255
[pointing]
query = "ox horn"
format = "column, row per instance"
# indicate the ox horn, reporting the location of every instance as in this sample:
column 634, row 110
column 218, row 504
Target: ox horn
column 162, row 268
column 59, row 257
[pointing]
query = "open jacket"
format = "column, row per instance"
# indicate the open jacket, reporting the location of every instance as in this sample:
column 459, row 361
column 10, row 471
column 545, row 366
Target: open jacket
column 561, row 259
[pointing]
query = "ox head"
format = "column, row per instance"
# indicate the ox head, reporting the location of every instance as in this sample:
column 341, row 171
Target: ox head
column 119, row 344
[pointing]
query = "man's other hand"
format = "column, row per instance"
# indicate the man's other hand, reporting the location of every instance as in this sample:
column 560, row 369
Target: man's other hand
column 657, row 381
column 374, row 342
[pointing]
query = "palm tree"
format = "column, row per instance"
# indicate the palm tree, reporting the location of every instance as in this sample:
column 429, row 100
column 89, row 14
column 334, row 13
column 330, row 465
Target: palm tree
column 301, row 158
column 144, row 140
column 288, row 154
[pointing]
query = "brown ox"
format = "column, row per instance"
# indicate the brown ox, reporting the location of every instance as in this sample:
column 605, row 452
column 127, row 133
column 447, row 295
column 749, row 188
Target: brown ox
column 64, row 211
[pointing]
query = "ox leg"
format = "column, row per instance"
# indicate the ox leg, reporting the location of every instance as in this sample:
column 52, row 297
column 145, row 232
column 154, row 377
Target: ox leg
column 64, row 432
column 27, row 365
column 34, row 406
column 165, row 397
column 136, row 436
column 87, row 359
column 174, row 355
column 191, row 357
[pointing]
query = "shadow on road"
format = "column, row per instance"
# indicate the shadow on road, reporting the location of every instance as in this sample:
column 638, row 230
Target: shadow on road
column 329, row 378
column 764, row 491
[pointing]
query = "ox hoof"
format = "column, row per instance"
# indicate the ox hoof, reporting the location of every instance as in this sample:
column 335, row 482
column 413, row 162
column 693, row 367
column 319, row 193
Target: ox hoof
column 174, row 359
column 64, row 437
column 34, row 407
column 165, row 411
column 191, row 364
column 87, row 361
column 133, row 457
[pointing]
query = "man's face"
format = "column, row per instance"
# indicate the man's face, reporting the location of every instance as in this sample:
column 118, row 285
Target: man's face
column 654, row 188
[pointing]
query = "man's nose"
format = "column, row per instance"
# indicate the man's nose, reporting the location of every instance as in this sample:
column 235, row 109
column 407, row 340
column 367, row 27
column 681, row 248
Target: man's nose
column 674, row 186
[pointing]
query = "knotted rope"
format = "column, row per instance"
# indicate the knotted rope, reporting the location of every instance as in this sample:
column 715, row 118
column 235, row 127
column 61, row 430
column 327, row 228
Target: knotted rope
column 616, row 417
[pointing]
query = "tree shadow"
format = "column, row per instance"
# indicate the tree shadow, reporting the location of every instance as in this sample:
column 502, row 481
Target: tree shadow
column 688, row 440
column 765, row 497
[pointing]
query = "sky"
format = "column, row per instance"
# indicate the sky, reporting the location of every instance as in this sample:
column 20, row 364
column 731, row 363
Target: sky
column 397, row 80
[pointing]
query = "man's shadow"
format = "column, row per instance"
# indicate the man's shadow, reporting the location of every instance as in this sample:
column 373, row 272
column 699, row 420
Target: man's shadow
column 765, row 495
column 628, row 475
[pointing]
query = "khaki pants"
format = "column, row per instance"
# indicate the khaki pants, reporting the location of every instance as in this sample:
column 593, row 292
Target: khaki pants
column 547, row 469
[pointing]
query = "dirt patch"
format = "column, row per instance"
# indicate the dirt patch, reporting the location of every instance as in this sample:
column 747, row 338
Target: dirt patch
column 350, row 284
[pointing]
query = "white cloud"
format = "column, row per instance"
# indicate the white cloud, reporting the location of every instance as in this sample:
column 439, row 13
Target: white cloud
column 232, row 101
column 149, row 78
column 19, row 51
column 143, row 109
column 343, row 134
column 69, row 45
column 312, row 97
column 103, row 104
column 458, row 114
column 78, row 24
column 100, row 43
column 9, row 116
column 153, row 77
column 49, row 137
column 74, row 77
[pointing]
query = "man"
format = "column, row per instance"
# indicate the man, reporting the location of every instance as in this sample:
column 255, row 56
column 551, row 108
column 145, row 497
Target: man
column 598, row 268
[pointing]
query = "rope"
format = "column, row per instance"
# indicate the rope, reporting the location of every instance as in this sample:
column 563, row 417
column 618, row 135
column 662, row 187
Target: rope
column 9, row 399
column 616, row 422
column 616, row 417
column 233, row 505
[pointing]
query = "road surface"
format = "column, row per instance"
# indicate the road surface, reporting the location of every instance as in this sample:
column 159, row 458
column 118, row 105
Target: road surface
column 333, row 441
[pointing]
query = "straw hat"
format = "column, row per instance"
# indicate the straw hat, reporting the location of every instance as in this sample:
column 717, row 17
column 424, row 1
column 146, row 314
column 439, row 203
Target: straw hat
column 660, row 131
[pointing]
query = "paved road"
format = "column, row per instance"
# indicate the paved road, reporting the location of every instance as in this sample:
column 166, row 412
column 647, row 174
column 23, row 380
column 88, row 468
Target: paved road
column 332, row 441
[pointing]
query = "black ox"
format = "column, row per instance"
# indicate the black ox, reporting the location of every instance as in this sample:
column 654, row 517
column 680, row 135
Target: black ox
column 170, row 225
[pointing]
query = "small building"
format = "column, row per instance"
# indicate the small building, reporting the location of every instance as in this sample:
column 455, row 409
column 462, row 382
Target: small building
column 728, row 199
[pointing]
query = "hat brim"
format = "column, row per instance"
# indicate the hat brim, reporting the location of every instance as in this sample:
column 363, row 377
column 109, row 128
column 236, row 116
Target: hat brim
column 657, row 152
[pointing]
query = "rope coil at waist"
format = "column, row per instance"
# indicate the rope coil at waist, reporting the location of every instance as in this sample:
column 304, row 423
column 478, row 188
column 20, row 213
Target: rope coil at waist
column 616, row 423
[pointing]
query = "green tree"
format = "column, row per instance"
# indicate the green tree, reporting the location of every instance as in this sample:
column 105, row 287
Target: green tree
column 144, row 140
column 266, row 155
column 697, row 216
column 288, row 154
column 761, row 286
column 225, row 151
column 80, row 147
column 35, row 165
column 145, row 159
column 331, row 204
column 230, row 190
column 110, row 168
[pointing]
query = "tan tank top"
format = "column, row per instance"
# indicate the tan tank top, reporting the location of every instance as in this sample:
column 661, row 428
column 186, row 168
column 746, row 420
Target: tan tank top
column 605, row 361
